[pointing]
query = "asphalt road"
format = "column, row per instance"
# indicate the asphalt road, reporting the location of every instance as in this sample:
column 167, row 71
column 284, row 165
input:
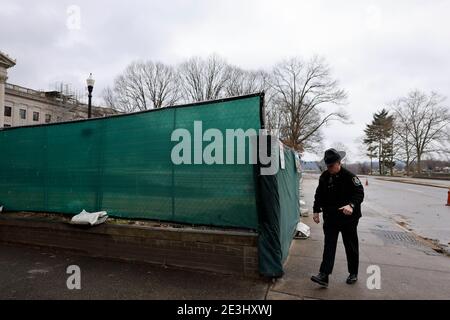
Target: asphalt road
column 420, row 208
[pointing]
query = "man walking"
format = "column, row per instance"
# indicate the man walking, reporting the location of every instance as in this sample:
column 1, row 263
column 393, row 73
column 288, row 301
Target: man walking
column 339, row 196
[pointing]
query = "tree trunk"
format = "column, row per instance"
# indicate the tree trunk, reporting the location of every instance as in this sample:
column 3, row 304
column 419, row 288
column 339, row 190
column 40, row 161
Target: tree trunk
column 419, row 169
column 379, row 159
column 407, row 166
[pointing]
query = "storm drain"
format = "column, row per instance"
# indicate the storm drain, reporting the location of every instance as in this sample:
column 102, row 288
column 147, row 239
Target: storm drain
column 398, row 238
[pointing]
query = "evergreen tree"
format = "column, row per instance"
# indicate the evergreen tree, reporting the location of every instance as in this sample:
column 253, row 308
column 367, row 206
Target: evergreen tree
column 379, row 140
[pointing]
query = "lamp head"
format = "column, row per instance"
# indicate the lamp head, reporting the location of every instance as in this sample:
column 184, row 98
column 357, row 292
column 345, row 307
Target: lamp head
column 90, row 82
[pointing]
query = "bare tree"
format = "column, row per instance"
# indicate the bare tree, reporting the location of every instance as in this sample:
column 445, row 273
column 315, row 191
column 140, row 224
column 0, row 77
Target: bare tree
column 109, row 97
column 242, row 82
column 274, row 118
column 426, row 122
column 204, row 79
column 405, row 145
column 443, row 145
column 162, row 84
column 143, row 86
column 129, row 89
column 300, row 89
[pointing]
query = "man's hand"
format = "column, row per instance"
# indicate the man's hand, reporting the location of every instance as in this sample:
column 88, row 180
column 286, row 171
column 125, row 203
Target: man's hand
column 348, row 210
column 316, row 217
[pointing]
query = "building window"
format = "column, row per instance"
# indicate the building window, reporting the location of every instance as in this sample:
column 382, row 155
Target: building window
column 48, row 118
column 7, row 125
column 23, row 114
column 8, row 111
column 35, row 116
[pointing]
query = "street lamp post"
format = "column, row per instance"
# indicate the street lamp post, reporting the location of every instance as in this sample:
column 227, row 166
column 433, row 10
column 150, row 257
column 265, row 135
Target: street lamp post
column 90, row 85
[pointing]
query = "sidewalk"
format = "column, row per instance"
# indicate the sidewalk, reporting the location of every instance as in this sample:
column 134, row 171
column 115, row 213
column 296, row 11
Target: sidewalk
column 410, row 268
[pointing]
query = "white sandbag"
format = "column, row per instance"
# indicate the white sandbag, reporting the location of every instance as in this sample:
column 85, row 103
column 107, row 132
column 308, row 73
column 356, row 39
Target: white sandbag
column 304, row 212
column 89, row 218
column 303, row 231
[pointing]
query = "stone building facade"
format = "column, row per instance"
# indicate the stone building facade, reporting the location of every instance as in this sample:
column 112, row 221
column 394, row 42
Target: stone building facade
column 21, row 106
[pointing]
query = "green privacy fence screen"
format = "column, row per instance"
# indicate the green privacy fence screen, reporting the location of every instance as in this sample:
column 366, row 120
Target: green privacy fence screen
column 278, row 215
column 122, row 164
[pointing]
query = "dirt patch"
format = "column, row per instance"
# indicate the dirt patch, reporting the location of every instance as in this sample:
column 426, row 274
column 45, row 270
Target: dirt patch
column 432, row 243
column 403, row 224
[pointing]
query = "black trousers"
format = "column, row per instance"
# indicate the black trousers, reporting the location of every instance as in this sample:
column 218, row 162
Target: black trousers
column 348, row 228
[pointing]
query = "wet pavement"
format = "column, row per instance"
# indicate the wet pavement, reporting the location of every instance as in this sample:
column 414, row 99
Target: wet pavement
column 419, row 208
column 409, row 267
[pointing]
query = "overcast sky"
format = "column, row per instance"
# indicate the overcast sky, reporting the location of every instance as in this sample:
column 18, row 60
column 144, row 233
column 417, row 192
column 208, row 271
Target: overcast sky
column 378, row 50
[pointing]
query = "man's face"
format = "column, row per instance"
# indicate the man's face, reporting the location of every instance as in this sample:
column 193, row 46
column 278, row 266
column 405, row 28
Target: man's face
column 334, row 167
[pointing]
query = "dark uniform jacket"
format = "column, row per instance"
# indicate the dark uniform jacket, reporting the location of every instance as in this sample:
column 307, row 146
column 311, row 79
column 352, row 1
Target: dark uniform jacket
column 335, row 191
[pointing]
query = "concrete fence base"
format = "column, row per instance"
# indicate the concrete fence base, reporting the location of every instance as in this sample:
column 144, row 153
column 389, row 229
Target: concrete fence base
column 227, row 252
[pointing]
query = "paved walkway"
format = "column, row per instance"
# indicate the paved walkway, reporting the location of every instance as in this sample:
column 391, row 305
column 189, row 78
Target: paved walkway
column 410, row 268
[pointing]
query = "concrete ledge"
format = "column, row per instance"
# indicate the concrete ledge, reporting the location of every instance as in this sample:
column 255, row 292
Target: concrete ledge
column 227, row 252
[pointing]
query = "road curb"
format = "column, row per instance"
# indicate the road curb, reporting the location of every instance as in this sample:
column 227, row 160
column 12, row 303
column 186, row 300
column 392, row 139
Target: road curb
column 412, row 182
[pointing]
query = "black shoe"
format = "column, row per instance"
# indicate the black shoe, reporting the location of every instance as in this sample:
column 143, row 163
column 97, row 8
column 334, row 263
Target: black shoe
column 352, row 278
column 321, row 279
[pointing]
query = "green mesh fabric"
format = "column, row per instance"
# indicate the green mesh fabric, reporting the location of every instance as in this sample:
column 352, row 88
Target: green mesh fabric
column 288, row 190
column 123, row 165
column 279, row 213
